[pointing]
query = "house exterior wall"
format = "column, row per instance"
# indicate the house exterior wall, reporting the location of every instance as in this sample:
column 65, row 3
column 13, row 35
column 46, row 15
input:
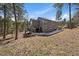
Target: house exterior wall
column 49, row 26
column 34, row 25
column 45, row 25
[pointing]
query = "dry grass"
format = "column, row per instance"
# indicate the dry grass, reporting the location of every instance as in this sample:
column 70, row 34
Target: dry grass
column 63, row 43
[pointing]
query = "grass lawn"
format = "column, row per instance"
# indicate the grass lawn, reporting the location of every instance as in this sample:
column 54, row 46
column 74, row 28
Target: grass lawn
column 63, row 43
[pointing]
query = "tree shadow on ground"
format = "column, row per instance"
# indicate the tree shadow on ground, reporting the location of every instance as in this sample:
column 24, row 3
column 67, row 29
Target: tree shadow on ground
column 5, row 41
column 24, row 36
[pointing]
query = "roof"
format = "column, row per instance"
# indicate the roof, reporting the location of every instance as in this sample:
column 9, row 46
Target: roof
column 41, row 18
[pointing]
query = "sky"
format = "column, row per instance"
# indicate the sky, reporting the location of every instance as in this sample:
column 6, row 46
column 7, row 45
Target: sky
column 46, row 10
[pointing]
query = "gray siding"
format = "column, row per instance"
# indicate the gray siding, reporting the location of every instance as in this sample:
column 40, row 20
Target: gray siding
column 44, row 24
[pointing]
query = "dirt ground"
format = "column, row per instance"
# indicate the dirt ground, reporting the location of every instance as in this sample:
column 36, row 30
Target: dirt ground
column 65, row 43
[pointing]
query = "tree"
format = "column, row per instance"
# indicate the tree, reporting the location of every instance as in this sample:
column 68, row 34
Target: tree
column 64, row 21
column 18, row 14
column 5, row 9
column 14, row 8
column 58, row 7
column 8, row 11
column 1, row 26
column 76, row 17
column 70, row 15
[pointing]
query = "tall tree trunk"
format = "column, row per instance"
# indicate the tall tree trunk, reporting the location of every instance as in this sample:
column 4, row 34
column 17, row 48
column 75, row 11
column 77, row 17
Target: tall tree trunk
column 4, row 30
column 16, row 35
column 7, row 25
column 70, row 15
column 18, row 22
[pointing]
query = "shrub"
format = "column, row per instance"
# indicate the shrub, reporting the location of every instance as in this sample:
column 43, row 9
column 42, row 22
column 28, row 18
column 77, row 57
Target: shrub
column 71, row 25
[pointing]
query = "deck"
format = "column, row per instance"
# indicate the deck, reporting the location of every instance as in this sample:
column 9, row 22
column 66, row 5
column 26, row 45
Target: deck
column 48, row 34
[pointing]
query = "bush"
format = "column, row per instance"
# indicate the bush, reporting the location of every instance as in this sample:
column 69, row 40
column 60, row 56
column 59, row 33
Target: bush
column 60, row 27
column 71, row 25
